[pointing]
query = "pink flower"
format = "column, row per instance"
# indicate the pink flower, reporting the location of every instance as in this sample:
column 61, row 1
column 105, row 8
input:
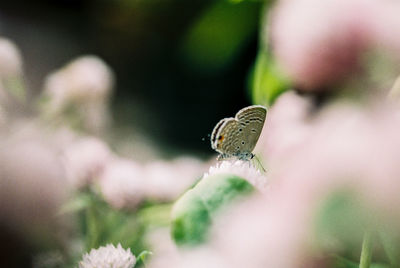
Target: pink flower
column 264, row 233
column 166, row 180
column 320, row 43
column 286, row 127
column 10, row 59
column 32, row 183
column 86, row 79
column 123, row 183
column 84, row 160
column 83, row 88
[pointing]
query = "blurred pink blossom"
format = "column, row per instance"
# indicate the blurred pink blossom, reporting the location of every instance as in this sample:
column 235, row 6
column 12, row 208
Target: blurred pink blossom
column 167, row 180
column 125, row 183
column 320, row 43
column 84, row 160
column 341, row 143
column 122, row 183
column 10, row 59
column 352, row 147
column 286, row 127
column 165, row 252
column 32, row 183
column 10, row 75
column 263, row 233
column 85, row 84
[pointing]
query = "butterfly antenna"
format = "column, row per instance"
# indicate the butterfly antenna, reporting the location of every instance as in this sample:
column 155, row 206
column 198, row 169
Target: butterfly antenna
column 259, row 163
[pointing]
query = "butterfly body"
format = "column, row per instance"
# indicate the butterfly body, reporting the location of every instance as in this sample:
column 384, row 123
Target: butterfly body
column 236, row 137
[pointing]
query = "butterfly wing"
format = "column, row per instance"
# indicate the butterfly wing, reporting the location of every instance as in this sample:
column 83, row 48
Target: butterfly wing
column 215, row 133
column 224, row 136
column 250, row 124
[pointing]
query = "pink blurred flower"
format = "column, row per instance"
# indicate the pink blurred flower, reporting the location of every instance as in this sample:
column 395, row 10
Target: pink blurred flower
column 166, row 180
column 353, row 147
column 32, row 183
column 263, row 233
column 84, row 160
column 341, row 143
column 122, row 183
column 10, row 59
column 86, row 78
column 85, row 84
column 320, row 43
column 286, row 127
column 165, row 252
column 125, row 183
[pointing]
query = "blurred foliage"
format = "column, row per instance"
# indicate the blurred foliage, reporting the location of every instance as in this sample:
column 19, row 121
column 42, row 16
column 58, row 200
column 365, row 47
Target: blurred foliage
column 266, row 80
column 101, row 224
column 218, row 34
column 194, row 212
column 342, row 220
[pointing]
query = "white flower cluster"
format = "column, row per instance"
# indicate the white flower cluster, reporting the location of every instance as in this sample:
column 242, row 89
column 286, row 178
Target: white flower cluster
column 108, row 257
column 243, row 169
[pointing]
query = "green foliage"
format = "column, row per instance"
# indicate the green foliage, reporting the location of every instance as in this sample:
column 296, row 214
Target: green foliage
column 342, row 221
column 344, row 263
column 101, row 224
column 194, row 212
column 142, row 257
column 219, row 34
column 191, row 220
column 390, row 242
column 267, row 81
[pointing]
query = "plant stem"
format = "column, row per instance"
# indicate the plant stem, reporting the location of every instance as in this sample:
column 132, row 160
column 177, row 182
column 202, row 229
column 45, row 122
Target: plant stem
column 366, row 250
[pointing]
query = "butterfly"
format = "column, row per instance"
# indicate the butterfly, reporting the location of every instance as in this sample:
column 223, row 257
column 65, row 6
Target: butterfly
column 236, row 137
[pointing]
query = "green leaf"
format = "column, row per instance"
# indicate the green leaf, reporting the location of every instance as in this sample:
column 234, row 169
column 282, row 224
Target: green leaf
column 267, row 81
column 194, row 212
column 143, row 255
column 190, row 220
column 76, row 204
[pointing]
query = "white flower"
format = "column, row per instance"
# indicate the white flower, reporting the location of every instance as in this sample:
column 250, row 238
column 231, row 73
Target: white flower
column 243, row 169
column 108, row 257
column 10, row 59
